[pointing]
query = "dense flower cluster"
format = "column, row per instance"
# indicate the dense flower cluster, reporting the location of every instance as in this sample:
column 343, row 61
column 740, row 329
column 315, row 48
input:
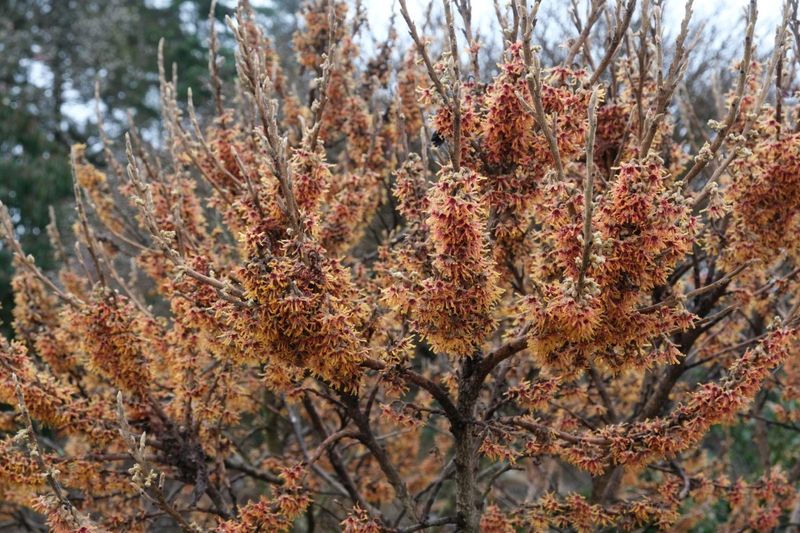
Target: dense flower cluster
column 305, row 313
column 642, row 229
column 765, row 194
column 450, row 297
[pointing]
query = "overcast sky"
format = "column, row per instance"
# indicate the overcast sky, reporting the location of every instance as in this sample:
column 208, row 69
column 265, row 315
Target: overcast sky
column 723, row 13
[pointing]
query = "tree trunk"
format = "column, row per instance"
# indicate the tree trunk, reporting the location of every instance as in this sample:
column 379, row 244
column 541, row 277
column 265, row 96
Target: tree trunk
column 465, row 460
column 606, row 485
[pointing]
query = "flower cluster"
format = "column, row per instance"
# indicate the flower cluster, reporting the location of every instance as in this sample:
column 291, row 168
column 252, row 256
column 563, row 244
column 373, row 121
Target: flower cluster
column 113, row 335
column 272, row 514
column 641, row 230
column 451, row 307
column 765, row 194
column 305, row 313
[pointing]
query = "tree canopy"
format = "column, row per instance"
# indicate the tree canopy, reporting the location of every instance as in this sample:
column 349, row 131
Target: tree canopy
column 404, row 290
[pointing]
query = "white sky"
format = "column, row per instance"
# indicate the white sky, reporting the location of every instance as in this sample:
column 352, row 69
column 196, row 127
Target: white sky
column 722, row 12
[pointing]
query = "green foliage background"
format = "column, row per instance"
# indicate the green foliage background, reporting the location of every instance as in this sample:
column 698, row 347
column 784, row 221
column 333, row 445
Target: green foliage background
column 51, row 54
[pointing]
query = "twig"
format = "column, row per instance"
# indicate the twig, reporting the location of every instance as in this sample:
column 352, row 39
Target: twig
column 611, row 51
column 455, row 102
column 588, row 192
column 706, row 156
column 318, row 107
column 697, row 292
column 144, row 476
column 780, row 43
column 78, row 520
column 423, row 52
column 533, row 78
column 595, row 10
column 430, row 523
column 666, row 88
column 8, row 232
column 438, row 392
